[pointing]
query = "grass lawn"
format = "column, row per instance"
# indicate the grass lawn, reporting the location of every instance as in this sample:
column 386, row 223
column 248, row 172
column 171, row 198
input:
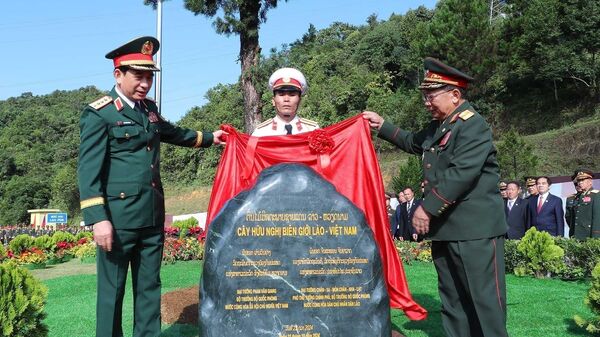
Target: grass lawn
column 535, row 307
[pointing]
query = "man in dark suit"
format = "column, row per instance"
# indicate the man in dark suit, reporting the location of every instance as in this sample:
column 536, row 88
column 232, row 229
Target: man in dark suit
column 545, row 211
column 515, row 209
column 405, row 227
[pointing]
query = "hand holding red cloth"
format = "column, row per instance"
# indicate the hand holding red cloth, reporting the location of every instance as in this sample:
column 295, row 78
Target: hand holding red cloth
column 343, row 154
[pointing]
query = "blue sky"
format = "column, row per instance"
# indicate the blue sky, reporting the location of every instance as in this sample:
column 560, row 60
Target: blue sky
column 60, row 45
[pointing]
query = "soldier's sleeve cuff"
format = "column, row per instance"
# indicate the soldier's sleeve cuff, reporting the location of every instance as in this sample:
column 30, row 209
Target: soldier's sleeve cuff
column 436, row 204
column 203, row 139
column 94, row 213
column 388, row 131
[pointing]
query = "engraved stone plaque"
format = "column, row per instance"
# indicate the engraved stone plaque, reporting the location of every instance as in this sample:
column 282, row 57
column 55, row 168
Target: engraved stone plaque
column 291, row 257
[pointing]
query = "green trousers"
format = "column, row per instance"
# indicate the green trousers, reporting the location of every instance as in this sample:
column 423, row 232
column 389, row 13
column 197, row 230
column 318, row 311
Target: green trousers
column 142, row 249
column 472, row 287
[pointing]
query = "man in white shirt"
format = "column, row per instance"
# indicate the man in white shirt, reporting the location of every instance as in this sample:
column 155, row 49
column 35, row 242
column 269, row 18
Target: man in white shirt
column 288, row 86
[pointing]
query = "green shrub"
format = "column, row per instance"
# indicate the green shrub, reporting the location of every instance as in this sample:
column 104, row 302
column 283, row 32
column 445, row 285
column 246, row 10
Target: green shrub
column 84, row 234
column 542, row 255
column 580, row 257
column 592, row 300
column 513, row 258
column 2, row 252
column 185, row 225
column 22, row 300
column 20, row 243
column 60, row 236
column 44, row 242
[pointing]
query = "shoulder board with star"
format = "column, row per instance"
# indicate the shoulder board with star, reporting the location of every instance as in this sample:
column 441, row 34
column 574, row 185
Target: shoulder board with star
column 309, row 122
column 265, row 123
column 466, row 115
column 101, row 103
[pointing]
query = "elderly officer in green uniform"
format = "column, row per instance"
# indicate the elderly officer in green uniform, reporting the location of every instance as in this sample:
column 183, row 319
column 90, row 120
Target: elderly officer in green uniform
column 462, row 211
column 570, row 204
column 288, row 85
column 121, row 190
column 530, row 183
column 586, row 208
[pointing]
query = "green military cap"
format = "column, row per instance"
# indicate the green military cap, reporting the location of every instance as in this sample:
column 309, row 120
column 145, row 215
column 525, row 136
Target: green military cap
column 584, row 174
column 530, row 181
column 502, row 185
column 136, row 54
column 439, row 74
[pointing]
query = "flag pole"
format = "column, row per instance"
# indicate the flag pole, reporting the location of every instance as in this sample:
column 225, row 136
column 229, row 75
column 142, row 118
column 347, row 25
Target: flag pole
column 158, row 85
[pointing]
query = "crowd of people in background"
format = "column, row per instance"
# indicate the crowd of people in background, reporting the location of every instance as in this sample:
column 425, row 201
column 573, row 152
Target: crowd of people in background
column 531, row 205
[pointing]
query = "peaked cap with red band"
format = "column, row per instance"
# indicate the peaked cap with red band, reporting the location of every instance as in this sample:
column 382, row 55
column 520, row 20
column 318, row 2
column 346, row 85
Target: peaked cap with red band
column 288, row 79
column 583, row 174
column 136, row 54
column 439, row 74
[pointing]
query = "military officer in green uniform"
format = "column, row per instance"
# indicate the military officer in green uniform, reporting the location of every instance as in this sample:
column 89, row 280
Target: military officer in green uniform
column 570, row 204
column 462, row 211
column 585, row 209
column 120, row 187
column 530, row 183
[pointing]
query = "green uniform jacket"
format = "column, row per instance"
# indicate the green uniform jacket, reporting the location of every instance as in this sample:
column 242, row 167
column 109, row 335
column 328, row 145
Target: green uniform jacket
column 461, row 175
column 570, row 205
column 119, row 161
column 586, row 218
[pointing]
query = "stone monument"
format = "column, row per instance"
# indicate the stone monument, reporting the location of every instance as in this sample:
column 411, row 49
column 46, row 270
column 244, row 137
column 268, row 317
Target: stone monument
column 291, row 257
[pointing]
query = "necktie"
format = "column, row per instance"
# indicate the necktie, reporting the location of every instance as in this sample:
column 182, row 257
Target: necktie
column 408, row 205
column 510, row 204
column 540, row 203
column 288, row 128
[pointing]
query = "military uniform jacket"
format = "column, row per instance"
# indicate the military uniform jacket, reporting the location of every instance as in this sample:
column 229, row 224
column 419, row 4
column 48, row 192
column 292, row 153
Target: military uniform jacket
column 276, row 127
column 119, row 161
column 570, row 205
column 586, row 215
column 461, row 175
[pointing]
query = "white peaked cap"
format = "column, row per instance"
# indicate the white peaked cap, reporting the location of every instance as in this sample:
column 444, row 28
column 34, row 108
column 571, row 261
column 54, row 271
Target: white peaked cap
column 288, row 78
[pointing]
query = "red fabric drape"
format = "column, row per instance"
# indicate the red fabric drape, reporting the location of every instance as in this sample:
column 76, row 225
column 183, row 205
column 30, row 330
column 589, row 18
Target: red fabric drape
column 350, row 165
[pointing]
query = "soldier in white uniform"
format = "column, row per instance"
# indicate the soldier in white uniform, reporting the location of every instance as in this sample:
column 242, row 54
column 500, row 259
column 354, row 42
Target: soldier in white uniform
column 288, row 86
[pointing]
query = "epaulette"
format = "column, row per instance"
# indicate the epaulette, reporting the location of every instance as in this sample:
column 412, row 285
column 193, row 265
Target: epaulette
column 309, row 122
column 265, row 123
column 595, row 191
column 101, row 103
column 466, row 115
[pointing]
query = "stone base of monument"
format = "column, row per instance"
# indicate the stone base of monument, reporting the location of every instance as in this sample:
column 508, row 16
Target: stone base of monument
column 180, row 306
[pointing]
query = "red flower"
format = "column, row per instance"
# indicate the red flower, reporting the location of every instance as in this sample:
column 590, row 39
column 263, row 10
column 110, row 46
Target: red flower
column 82, row 241
column 171, row 230
column 10, row 254
column 62, row 245
column 319, row 141
column 195, row 230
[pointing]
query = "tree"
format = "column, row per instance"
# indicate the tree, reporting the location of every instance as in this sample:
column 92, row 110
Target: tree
column 243, row 18
column 515, row 157
column 409, row 175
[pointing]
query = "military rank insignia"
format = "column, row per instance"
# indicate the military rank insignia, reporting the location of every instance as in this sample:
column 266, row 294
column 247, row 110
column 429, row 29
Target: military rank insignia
column 153, row 117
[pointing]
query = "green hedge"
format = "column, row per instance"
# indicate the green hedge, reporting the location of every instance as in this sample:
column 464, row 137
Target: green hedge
column 22, row 300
